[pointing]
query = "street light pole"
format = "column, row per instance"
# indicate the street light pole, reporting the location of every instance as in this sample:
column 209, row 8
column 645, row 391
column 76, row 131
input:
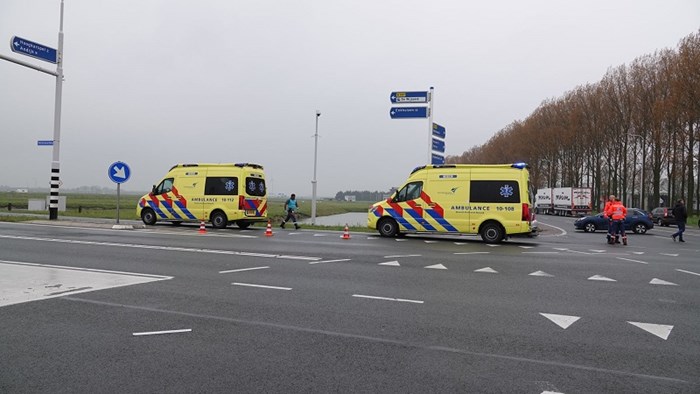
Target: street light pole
column 55, row 162
column 313, row 182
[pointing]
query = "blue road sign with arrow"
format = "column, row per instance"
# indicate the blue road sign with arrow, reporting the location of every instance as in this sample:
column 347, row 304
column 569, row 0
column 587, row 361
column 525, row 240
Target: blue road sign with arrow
column 408, row 97
column 438, row 131
column 408, row 112
column 119, row 172
column 438, row 159
column 33, row 49
column 438, row 145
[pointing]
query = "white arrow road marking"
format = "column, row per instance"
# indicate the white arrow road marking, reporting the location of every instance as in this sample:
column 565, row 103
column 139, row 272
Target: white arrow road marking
column 563, row 321
column 561, row 249
column 541, row 273
column 437, row 267
column 387, row 299
column 488, row 270
column 669, row 254
column 539, row 252
column 551, row 392
column 391, row 263
column 656, row 281
column 429, row 242
column 460, row 243
column 329, row 261
column 400, row 240
column 402, row 255
column 243, row 269
column 492, row 245
column 638, row 252
column 596, row 250
column 688, row 272
column 472, row 252
column 602, row 278
column 136, row 334
column 526, row 247
column 634, row 261
column 261, row 286
column 320, row 235
column 660, row 330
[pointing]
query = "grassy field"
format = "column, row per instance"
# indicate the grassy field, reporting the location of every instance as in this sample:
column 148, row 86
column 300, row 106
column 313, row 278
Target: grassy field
column 105, row 206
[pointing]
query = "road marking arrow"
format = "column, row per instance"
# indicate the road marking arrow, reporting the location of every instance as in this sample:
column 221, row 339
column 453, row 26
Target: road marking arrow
column 660, row 330
column 541, row 273
column 669, row 254
column 601, row 278
column 437, row 267
column 488, row 270
column 656, row 281
column 391, row 263
column 563, row 321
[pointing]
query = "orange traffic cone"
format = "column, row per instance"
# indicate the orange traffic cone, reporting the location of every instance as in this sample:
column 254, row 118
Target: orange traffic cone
column 346, row 233
column 268, row 231
column 202, row 227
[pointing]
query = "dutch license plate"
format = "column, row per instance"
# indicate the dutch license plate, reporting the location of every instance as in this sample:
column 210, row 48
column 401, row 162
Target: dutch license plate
column 250, row 212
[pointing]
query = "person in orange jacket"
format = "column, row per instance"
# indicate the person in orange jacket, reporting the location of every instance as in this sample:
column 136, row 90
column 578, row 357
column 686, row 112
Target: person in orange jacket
column 611, row 200
column 617, row 212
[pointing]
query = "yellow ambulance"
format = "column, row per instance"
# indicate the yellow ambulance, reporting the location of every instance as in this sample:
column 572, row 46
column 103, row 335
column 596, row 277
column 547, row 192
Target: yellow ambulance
column 490, row 200
column 217, row 193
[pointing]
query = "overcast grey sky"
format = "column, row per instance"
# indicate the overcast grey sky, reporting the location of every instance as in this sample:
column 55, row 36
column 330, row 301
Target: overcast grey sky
column 159, row 82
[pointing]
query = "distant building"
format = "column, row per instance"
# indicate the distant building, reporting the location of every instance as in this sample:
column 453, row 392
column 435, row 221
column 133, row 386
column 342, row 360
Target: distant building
column 24, row 191
column 351, row 198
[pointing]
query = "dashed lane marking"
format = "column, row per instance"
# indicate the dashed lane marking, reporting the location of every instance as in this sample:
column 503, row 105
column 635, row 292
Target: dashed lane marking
column 329, row 261
column 669, row 254
column 243, row 269
column 387, row 299
column 688, row 272
column 539, row 252
column 634, row 261
column 472, row 252
column 541, row 273
column 137, row 334
column 261, row 286
column 437, row 267
column 402, row 255
column 601, row 278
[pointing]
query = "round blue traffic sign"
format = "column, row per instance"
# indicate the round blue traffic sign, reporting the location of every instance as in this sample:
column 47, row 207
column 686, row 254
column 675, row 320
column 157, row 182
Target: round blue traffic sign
column 119, row 172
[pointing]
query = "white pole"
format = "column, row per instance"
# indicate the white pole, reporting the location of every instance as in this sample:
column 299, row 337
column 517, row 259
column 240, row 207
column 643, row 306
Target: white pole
column 56, row 163
column 313, row 182
column 431, row 97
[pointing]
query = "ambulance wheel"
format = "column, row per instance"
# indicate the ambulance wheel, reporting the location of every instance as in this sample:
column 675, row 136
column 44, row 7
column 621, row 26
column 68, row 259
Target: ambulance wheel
column 388, row 227
column 148, row 217
column 492, row 232
column 218, row 219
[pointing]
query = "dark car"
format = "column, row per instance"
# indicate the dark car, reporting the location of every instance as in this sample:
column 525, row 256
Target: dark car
column 637, row 220
column 663, row 216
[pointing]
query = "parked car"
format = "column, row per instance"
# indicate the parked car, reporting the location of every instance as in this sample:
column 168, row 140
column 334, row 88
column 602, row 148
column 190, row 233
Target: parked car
column 637, row 220
column 663, row 216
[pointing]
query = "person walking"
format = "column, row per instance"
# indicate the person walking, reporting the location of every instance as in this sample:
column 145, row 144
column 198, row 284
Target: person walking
column 680, row 213
column 608, row 204
column 291, row 206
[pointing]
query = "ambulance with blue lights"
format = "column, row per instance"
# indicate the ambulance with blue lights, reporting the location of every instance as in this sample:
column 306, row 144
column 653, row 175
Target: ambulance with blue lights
column 490, row 200
column 221, row 194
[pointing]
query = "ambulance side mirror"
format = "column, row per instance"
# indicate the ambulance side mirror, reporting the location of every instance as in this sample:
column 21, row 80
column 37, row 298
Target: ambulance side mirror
column 153, row 189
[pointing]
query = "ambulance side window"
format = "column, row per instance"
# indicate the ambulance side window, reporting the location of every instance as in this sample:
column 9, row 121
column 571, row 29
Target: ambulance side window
column 409, row 192
column 221, row 186
column 165, row 187
column 495, row 192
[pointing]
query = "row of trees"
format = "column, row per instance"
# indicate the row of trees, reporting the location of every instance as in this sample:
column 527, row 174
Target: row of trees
column 635, row 133
column 364, row 195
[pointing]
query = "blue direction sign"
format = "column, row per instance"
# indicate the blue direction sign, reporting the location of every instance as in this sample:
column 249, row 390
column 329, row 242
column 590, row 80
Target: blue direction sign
column 437, row 159
column 408, row 112
column 408, row 97
column 44, row 143
column 33, row 49
column 438, row 145
column 438, row 131
column 119, row 172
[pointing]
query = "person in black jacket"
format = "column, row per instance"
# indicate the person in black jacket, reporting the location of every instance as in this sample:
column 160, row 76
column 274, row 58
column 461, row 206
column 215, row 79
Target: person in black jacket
column 681, row 215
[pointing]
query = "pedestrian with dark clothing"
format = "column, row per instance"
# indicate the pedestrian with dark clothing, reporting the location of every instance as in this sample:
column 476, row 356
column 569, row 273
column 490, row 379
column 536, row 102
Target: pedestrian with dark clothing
column 681, row 215
column 291, row 206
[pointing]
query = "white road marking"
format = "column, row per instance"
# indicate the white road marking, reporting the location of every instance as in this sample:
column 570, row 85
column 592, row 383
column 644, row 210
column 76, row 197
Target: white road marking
column 429, row 242
column 634, row 261
column 493, row 245
column 402, row 255
column 156, row 247
column 560, row 249
column 526, row 247
column 472, row 253
column 539, row 252
column 320, row 235
column 243, row 269
column 261, row 286
column 562, row 232
column 136, row 334
column 541, row 273
column 563, row 321
column 669, row 254
column 487, row 270
column 437, row 267
column 597, row 250
column 387, row 299
column 601, row 278
column 400, row 240
column 460, row 243
column 328, row 261
column 688, row 272
column 660, row 330
column 638, row 252
column 391, row 263
column 551, row 392
column 657, row 281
